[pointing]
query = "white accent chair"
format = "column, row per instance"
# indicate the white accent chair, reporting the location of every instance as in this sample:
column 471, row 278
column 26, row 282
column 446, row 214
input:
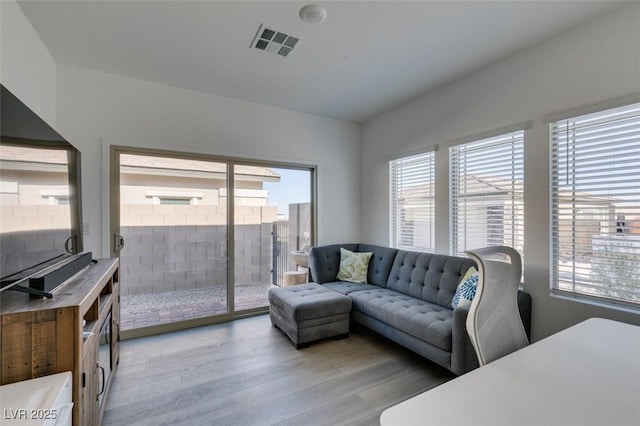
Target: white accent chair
column 494, row 324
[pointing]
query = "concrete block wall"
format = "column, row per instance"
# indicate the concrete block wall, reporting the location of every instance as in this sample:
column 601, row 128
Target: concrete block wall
column 19, row 250
column 14, row 218
column 174, row 247
column 253, row 254
column 158, row 259
column 166, row 215
column 161, row 215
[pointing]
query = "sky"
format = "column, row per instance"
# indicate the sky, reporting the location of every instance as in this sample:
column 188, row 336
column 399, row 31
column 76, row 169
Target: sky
column 294, row 187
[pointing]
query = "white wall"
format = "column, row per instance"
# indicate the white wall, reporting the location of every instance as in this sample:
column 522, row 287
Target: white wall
column 96, row 108
column 593, row 63
column 27, row 68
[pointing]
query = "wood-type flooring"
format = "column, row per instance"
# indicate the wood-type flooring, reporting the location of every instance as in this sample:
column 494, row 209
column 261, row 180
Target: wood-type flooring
column 246, row 372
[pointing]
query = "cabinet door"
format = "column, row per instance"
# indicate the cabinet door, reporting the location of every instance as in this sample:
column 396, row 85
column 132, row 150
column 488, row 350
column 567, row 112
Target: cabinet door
column 89, row 391
column 38, row 342
column 115, row 330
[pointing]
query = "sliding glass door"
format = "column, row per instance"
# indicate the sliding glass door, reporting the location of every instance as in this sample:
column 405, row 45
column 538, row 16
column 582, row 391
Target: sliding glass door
column 172, row 239
column 272, row 221
column 180, row 223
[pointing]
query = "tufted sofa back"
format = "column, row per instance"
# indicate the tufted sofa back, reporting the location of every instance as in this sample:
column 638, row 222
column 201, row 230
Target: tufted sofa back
column 324, row 262
column 430, row 277
column 426, row 276
column 380, row 263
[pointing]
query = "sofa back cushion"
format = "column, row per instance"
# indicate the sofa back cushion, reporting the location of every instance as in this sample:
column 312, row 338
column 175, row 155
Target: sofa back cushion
column 427, row 276
column 380, row 264
column 324, row 262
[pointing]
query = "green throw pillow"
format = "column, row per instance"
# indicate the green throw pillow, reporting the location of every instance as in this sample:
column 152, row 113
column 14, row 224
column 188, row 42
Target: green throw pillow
column 353, row 266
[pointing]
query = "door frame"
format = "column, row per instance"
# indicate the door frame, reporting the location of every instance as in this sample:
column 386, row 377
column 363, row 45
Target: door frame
column 114, row 226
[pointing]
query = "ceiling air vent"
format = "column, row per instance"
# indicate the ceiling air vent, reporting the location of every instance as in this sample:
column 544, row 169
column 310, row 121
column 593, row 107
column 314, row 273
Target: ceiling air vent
column 274, row 41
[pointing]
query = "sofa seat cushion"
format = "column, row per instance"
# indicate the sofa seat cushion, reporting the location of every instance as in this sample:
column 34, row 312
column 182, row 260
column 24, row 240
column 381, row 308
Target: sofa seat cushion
column 423, row 320
column 346, row 287
column 308, row 301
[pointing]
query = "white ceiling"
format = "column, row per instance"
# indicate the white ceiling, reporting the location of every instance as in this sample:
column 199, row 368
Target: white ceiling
column 366, row 58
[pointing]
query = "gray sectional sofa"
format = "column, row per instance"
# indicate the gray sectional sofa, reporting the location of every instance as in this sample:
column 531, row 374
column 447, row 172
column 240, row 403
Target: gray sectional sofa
column 407, row 298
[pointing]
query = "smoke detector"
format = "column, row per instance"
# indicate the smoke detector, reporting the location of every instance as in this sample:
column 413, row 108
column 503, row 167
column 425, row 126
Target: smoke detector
column 274, row 41
column 313, row 14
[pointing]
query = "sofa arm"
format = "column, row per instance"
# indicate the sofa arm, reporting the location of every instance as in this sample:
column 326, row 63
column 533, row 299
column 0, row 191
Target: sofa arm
column 463, row 355
column 524, row 306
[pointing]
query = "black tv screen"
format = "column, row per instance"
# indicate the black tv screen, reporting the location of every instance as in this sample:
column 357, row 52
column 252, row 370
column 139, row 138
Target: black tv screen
column 40, row 205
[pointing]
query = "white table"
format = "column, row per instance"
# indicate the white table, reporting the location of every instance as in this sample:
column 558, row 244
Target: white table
column 588, row 374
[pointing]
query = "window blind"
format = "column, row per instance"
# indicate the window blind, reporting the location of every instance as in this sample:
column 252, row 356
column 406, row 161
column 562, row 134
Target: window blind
column 486, row 193
column 595, row 205
column 412, row 197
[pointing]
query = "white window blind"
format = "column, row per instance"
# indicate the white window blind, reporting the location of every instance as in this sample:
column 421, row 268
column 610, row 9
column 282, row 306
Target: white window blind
column 486, row 193
column 595, row 205
column 412, row 196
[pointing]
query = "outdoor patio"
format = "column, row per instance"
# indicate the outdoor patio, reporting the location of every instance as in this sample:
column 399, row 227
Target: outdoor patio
column 144, row 310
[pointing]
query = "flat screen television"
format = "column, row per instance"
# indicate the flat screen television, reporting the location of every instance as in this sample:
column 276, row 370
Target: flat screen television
column 40, row 190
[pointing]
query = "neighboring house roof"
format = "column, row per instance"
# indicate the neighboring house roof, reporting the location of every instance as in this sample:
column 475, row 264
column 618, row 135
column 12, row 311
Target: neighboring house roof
column 23, row 154
column 495, row 185
column 504, row 185
column 140, row 163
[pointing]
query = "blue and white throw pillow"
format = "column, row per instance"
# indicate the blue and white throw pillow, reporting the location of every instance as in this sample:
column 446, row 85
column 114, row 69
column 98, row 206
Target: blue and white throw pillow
column 466, row 289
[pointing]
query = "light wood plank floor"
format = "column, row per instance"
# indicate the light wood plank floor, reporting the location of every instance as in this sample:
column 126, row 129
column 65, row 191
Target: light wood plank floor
column 247, row 373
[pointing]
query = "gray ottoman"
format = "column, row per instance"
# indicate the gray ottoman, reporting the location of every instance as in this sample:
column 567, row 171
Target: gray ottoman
column 309, row 312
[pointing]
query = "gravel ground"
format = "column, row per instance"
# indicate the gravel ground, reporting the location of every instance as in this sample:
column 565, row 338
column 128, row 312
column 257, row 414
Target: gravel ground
column 151, row 309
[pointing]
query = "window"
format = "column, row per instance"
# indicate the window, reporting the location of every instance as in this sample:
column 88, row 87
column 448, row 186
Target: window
column 486, row 193
column 62, row 201
column 174, row 198
column 56, row 196
column 412, row 196
column 595, row 205
column 175, row 201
